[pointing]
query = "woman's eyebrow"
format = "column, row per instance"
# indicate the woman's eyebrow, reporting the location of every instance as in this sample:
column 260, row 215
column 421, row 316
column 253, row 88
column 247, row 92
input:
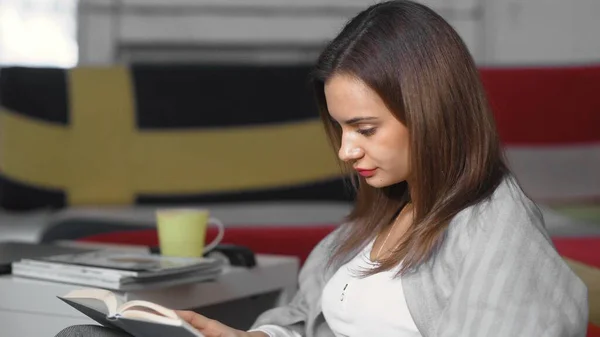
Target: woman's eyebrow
column 357, row 120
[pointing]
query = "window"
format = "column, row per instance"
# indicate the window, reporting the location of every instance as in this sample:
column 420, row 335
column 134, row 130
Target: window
column 38, row 33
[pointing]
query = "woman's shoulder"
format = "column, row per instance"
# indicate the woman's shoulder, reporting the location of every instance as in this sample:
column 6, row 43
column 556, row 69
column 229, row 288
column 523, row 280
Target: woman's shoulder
column 506, row 226
column 507, row 208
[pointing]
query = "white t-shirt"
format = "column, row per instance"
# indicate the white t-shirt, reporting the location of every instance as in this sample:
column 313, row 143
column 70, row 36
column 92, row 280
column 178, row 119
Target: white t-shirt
column 358, row 307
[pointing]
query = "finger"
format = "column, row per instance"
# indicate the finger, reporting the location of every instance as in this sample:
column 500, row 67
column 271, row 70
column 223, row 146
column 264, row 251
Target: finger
column 186, row 315
column 202, row 323
column 194, row 319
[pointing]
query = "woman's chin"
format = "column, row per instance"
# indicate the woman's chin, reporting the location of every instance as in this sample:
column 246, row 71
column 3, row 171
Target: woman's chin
column 376, row 182
column 381, row 182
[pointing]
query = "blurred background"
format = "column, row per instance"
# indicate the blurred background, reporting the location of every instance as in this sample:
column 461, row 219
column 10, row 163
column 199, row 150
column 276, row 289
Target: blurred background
column 110, row 109
column 113, row 108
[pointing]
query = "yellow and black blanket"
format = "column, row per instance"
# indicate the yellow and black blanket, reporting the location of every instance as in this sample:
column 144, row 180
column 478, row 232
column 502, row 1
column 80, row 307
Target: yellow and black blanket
column 161, row 134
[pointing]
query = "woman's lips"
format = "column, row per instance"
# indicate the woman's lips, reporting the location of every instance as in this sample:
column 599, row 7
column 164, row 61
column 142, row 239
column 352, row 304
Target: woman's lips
column 366, row 173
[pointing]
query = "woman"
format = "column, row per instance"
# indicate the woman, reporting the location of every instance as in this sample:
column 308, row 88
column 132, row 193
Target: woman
column 441, row 241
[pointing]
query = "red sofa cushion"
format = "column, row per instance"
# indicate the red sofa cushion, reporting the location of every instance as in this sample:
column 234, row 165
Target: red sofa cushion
column 582, row 249
column 593, row 331
column 530, row 104
column 281, row 240
column 300, row 240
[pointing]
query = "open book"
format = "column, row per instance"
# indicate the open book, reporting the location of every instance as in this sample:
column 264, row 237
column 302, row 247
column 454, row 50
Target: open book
column 138, row 318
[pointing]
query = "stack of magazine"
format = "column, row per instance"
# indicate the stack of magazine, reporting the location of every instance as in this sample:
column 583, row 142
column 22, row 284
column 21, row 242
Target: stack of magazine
column 118, row 270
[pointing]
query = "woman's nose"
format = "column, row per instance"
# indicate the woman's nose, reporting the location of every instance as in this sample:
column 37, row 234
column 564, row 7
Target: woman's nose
column 349, row 151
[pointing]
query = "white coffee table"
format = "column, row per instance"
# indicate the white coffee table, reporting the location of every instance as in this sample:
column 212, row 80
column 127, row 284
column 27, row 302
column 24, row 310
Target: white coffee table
column 29, row 308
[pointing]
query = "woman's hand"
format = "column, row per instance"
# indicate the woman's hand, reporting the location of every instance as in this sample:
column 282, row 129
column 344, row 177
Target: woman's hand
column 211, row 328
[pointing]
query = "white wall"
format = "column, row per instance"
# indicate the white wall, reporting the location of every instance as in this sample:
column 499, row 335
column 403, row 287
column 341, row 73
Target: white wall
column 542, row 31
column 496, row 31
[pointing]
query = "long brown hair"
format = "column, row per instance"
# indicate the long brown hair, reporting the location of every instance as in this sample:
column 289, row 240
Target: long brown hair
column 417, row 63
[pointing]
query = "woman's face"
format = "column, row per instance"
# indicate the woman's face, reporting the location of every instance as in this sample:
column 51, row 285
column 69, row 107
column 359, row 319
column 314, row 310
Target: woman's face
column 374, row 141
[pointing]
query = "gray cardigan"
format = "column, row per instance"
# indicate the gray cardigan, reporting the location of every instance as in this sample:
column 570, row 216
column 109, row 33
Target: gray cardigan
column 496, row 274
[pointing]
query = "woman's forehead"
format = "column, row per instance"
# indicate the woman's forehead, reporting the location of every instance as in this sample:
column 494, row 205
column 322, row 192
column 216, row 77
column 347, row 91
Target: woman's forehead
column 349, row 98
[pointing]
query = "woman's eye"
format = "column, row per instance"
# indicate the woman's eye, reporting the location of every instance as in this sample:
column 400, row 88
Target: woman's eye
column 366, row 132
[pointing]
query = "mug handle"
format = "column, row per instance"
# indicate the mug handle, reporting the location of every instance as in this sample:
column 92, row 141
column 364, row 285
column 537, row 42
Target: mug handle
column 219, row 236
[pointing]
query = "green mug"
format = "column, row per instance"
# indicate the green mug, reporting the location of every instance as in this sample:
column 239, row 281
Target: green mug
column 182, row 231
